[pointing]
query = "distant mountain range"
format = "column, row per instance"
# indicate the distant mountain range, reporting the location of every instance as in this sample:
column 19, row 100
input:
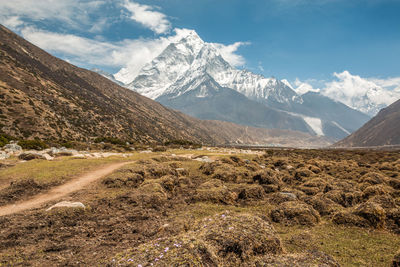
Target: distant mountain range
column 191, row 76
column 47, row 98
column 382, row 130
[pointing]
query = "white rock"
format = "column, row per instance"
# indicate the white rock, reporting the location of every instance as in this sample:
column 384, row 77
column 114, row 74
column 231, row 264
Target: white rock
column 47, row 156
column 13, row 147
column 4, row 155
column 204, row 159
column 67, row 204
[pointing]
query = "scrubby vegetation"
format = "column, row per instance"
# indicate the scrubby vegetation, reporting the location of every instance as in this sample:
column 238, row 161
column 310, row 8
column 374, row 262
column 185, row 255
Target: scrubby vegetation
column 182, row 143
column 33, row 144
column 283, row 208
column 5, row 139
column 110, row 140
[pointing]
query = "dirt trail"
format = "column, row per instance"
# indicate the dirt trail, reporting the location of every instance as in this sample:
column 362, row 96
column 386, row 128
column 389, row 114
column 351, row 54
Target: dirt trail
column 62, row 190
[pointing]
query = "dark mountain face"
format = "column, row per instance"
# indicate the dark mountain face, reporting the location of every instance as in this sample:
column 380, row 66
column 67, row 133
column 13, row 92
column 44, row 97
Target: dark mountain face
column 208, row 100
column 45, row 97
column 382, row 130
column 338, row 119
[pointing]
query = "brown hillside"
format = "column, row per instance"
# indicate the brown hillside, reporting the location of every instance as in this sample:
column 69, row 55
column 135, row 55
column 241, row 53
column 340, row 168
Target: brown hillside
column 48, row 98
column 382, row 130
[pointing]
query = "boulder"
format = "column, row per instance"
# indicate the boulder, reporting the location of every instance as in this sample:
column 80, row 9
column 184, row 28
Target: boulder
column 67, row 204
column 47, row 156
column 58, row 152
column 204, row 159
column 4, row 155
column 12, row 148
column 30, row 155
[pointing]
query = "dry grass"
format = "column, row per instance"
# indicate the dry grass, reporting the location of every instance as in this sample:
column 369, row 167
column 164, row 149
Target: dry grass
column 163, row 201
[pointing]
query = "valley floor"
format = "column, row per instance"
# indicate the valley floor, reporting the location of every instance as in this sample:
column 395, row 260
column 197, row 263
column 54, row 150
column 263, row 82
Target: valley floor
column 217, row 207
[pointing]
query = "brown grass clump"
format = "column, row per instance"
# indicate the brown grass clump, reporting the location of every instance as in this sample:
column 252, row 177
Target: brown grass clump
column 302, row 173
column 313, row 186
column 372, row 178
column 151, row 193
column 215, row 191
column 367, row 214
column 121, row 179
column 295, row 212
column 249, row 191
column 226, row 173
column 324, row 205
column 396, row 260
column 221, row 240
column 376, row 190
column 269, row 179
column 280, row 197
column 350, row 219
column 393, row 220
column 345, row 199
column 372, row 212
column 395, row 183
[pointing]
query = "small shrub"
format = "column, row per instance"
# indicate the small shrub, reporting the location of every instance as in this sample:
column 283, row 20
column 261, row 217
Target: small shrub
column 32, row 144
column 183, row 143
column 110, row 140
column 5, row 139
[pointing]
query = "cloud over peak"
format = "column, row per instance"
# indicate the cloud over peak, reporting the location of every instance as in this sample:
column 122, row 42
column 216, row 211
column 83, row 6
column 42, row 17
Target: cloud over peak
column 148, row 17
column 228, row 52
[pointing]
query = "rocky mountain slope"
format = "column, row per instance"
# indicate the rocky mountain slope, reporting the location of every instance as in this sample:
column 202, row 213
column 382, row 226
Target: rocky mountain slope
column 176, row 79
column 382, row 130
column 204, row 98
column 47, row 98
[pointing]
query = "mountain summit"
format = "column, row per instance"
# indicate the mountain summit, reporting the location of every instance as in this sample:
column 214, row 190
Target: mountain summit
column 191, row 74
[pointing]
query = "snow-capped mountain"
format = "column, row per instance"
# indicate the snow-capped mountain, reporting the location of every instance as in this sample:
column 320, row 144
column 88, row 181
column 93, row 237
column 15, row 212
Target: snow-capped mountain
column 191, row 55
column 359, row 93
column 192, row 71
column 199, row 95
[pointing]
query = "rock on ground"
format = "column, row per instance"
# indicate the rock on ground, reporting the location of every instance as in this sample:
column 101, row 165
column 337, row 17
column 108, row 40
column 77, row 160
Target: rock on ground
column 67, row 204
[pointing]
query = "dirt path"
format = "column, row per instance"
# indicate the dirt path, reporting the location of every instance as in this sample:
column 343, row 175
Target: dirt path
column 62, row 190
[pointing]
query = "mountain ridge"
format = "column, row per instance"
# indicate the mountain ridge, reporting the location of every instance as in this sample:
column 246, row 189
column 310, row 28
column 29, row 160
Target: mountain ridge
column 381, row 130
column 47, row 98
column 178, row 66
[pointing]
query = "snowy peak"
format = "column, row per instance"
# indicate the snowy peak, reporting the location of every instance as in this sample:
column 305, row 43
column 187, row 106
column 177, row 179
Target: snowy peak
column 200, row 81
column 190, row 57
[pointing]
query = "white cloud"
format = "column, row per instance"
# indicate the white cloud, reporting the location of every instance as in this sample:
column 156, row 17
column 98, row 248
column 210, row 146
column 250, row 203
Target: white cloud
column 148, row 17
column 304, row 87
column 12, row 22
column 366, row 95
column 130, row 55
column 72, row 13
column 228, row 52
column 389, row 83
column 88, row 51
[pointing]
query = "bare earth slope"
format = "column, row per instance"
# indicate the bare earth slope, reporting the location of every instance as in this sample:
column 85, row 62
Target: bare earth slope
column 45, row 97
column 382, row 130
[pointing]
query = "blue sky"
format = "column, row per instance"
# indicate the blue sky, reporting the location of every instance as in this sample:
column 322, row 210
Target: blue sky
column 308, row 40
